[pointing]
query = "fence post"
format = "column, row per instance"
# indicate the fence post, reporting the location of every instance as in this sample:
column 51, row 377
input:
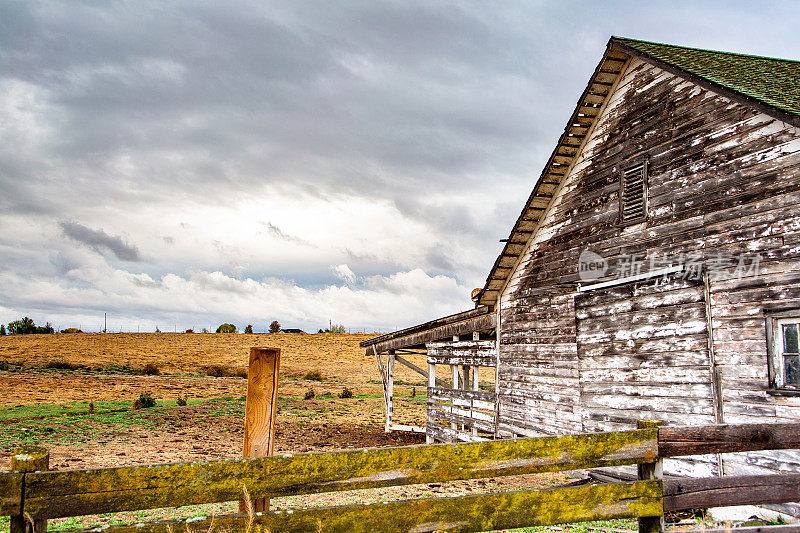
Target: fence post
column 389, row 390
column 29, row 459
column 260, row 410
column 655, row 470
column 431, row 384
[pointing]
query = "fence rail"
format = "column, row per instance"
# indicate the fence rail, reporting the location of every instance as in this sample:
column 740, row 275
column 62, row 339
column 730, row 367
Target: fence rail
column 41, row 495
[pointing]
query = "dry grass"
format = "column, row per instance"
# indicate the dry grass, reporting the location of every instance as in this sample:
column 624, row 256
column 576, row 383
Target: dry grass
column 337, row 357
column 183, row 360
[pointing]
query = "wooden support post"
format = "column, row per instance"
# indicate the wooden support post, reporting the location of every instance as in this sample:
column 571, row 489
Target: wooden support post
column 431, row 383
column 29, row 459
column 498, row 334
column 475, row 387
column 382, row 370
column 454, row 372
column 714, row 370
column 466, row 386
column 389, row 390
column 260, row 411
column 653, row 470
column 385, row 383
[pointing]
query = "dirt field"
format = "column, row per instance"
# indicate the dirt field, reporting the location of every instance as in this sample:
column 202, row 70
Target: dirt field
column 338, row 357
column 50, row 380
column 73, row 394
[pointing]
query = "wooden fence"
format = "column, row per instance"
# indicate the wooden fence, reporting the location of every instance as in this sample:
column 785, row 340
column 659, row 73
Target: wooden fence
column 461, row 412
column 31, row 495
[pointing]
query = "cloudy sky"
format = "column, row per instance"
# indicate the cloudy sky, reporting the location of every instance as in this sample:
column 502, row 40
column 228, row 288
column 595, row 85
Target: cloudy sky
column 181, row 164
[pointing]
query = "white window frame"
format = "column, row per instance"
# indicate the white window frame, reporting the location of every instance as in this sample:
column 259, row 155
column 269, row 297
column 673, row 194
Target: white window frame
column 777, row 368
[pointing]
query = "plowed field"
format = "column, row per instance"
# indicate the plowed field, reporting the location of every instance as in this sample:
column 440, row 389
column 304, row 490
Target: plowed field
column 337, row 356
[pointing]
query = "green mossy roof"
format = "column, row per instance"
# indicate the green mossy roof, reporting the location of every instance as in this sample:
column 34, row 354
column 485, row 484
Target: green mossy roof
column 775, row 82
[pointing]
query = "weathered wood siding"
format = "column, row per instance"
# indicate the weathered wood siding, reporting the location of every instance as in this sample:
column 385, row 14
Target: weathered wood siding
column 723, row 179
column 538, row 376
column 643, row 353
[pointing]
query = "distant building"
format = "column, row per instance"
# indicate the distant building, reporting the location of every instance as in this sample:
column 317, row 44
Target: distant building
column 292, row 330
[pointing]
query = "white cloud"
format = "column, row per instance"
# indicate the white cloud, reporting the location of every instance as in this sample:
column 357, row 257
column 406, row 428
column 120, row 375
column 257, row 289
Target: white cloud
column 344, row 273
column 384, row 302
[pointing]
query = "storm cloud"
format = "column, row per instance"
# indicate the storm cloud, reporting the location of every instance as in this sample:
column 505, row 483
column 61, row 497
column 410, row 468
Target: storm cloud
column 354, row 161
column 100, row 241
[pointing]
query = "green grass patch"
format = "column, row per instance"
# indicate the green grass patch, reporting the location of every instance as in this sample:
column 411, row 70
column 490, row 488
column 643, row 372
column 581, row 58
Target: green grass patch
column 143, row 516
column 50, row 410
column 367, row 396
column 71, row 423
column 583, row 527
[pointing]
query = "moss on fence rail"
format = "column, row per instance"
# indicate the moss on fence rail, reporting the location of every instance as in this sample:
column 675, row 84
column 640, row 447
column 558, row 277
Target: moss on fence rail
column 73, row 493
column 10, row 493
column 465, row 513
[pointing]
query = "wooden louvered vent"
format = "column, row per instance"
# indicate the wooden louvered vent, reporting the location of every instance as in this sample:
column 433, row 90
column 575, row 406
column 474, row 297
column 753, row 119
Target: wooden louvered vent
column 634, row 194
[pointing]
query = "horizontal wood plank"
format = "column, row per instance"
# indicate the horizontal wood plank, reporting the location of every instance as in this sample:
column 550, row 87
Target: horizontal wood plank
column 783, row 528
column 73, row 493
column 439, row 393
column 485, row 512
column 702, row 493
column 441, row 433
column 688, row 440
column 457, row 359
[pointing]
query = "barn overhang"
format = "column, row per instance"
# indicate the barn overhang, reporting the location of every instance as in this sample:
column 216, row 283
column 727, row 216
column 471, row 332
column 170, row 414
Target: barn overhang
column 481, row 320
column 478, row 324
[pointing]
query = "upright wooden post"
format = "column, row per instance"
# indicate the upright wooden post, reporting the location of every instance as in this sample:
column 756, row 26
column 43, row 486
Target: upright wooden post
column 475, row 387
column 389, row 390
column 260, row 410
column 384, row 382
column 654, row 524
column 455, row 373
column 431, row 384
column 466, row 382
column 29, row 459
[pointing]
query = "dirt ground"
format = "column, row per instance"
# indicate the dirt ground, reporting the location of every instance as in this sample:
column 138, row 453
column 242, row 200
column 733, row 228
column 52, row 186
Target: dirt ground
column 105, row 367
column 211, row 429
column 83, row 414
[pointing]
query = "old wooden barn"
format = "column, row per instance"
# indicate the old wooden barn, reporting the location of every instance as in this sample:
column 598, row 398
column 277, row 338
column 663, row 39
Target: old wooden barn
column 654, row 271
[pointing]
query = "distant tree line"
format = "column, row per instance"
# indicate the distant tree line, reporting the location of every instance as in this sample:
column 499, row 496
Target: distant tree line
column 274, row 327
column 25, row 326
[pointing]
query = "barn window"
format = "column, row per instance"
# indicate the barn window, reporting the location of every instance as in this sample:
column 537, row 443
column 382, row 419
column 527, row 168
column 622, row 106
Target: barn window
column 633, row 194
column 784, row 349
